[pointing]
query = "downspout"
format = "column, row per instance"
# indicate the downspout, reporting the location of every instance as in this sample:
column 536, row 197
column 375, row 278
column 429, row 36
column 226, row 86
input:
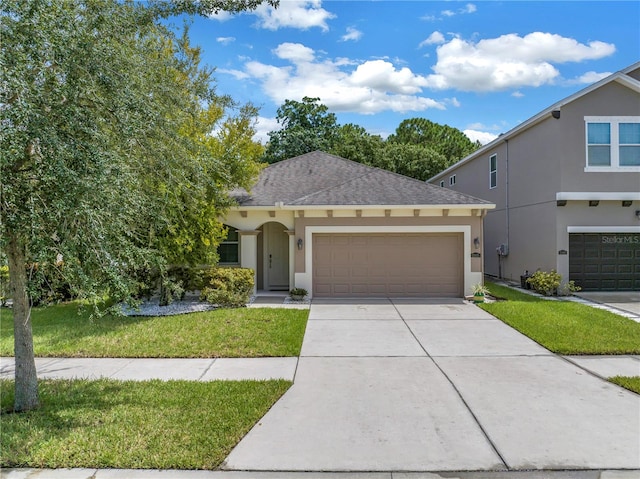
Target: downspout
column 507, row 191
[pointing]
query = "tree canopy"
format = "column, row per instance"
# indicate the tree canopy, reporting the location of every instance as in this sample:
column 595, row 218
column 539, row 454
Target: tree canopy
column 117, row 152
column 419, row 148
column 306, row 126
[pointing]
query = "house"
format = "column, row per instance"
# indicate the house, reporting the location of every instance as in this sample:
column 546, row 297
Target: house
column 339, row 228
column 566, row 185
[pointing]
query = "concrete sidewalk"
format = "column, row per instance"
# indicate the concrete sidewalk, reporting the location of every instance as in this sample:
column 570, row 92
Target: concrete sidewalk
column 127, row 369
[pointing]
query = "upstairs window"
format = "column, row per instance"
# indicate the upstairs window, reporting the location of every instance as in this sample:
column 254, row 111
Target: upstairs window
column 493, row 171
column 442, row 184
column 452, row 180
column 613, row 143
column 229, row 249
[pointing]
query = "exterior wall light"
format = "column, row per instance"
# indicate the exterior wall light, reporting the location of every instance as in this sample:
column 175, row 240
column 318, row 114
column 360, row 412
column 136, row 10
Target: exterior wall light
column 638, row 214
column 476, row 242
column 626, row 203
column 556, row 114
column 594, row 202
column 299, row 243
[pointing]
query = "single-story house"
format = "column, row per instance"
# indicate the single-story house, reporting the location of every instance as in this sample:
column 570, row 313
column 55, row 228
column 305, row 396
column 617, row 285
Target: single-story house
column 339, row 228
column 566, row 185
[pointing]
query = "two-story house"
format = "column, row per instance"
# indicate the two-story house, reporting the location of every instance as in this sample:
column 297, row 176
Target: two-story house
column 566, row 184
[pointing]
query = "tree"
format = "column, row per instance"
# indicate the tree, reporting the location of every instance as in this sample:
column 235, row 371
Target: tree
column 105, row 121
column 306, row 126
column 446, row 140
column 355, row 143
column 416, row 161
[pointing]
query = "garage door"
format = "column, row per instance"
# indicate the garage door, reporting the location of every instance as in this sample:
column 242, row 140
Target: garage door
column 605, row 261
column 388, row 265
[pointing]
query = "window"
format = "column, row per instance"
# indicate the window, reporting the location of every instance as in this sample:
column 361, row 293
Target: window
column 613, row 143
column 228, row 250
column 452, row 180
column 442, row 184
column 493, row 171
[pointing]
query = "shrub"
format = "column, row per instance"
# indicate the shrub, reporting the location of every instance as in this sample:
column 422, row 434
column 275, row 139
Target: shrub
column 228, row 287
column 548, row 283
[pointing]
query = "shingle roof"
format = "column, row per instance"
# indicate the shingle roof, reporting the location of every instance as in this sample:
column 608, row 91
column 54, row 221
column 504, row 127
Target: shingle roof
column 318, row 178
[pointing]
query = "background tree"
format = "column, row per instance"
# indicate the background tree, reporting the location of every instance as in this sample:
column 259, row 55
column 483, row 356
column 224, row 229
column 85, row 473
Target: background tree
column 306, row 126
column 354, row 143
column 105, row 133
column 446, row 140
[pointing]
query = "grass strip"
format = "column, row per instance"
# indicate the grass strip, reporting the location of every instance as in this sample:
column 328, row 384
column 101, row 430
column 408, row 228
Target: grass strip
column 632, row 383
column 565, row 327
column 138, row 425
column 66, row 330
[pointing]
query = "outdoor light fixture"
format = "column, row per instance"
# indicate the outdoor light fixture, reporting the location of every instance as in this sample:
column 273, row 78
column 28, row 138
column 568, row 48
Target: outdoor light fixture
column 594, row 202
column 626, row 203
column 299, row 243
column 638, row 214
column 555, row 114
column 476, row 242
column 561, row 203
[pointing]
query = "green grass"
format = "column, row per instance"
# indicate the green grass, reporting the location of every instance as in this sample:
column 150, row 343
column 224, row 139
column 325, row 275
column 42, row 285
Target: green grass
column 631, row 383
column 140, row 425
column 64, row 331
column 565, row 327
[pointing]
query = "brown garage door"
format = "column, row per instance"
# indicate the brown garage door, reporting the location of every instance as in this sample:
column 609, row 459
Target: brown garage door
column 605, row 261
column 388, row 265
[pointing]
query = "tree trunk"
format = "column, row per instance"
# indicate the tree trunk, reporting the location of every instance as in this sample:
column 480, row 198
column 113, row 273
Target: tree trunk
column 26, row 379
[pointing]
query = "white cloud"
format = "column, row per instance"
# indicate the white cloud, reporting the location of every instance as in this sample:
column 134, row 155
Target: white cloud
column 590, row 77
column 436, row 38
column 352, row 34
column 263, row 127
column 239, row 75
column 509, row 61
column 221, row 16
column 469, row 8
column 448, row 13
column 302, row 14
column 517, row 94
column 225, row 40
column 294, row 52
column 483, row 137
column 342, row 85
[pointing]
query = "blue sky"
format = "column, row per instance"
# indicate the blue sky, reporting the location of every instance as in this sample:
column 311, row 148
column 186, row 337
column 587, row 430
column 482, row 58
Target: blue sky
column 482, row 67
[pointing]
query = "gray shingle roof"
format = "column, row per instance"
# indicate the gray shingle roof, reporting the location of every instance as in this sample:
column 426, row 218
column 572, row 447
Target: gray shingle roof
column 317, row 178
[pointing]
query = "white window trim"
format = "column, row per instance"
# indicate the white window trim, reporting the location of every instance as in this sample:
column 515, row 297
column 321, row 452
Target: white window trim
column 614, row 121
column 495, row 155
column 452, row 180
column 441, row 183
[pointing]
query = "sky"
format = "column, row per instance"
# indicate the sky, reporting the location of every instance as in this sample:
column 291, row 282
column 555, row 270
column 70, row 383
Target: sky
column 482, row 67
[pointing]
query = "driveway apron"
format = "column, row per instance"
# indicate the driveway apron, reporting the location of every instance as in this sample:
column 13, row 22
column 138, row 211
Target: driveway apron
column 424, row 385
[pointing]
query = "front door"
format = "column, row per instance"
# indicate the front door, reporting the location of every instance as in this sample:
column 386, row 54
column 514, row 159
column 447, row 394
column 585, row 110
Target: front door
column 276, row 257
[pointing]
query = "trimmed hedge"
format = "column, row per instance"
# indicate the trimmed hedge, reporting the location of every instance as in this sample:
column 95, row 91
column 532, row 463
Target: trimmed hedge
column 227, row 287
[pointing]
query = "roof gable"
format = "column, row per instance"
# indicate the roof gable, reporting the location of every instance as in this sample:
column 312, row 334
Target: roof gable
column 318, row 178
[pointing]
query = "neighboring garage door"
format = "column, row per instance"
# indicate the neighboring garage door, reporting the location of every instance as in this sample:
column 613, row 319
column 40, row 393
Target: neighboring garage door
column 388, row 265
column 605, row 261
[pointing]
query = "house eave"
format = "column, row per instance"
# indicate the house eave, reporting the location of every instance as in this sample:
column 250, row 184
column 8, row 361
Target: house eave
column 281, row 206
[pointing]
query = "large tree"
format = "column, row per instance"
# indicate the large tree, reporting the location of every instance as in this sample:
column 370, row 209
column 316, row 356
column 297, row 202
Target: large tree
column 305, row 126
column 444, row 139
column 107, row 152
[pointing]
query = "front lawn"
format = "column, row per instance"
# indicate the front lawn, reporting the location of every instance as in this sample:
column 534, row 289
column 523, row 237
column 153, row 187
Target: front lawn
column 64, row 331
column 631, row 383
column 138, row 425
column 565, row 327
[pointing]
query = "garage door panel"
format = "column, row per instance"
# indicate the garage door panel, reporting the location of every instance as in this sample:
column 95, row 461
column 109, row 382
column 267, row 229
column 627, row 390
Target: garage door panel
column 388, row 264
column 605, row 261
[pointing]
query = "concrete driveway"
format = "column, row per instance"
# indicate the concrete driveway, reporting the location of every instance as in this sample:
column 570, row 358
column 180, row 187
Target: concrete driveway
column 624, row 300
column 419, row 385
